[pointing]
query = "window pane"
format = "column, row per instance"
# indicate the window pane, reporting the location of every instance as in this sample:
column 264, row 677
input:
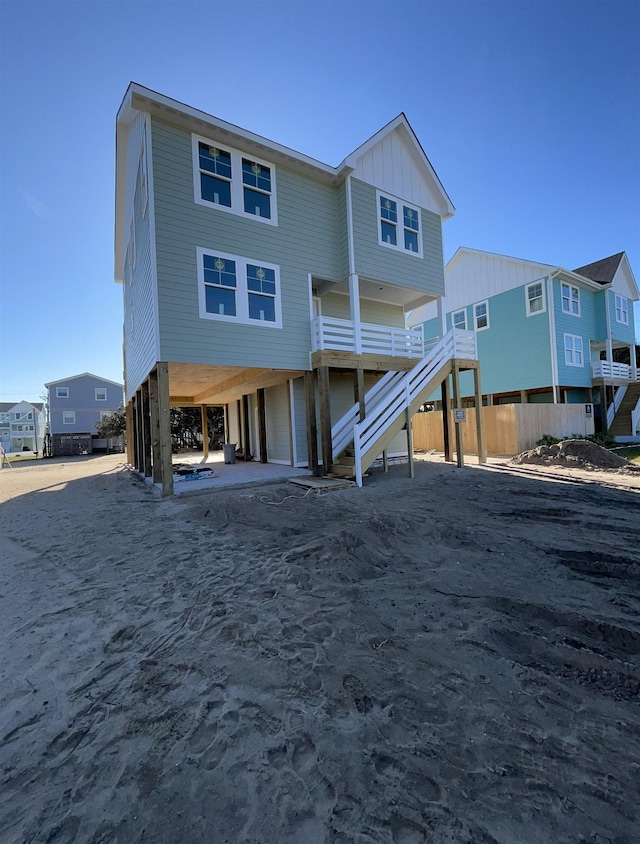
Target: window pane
column 220, row 301
column 219, row 271
column 410, row 240
column 388, row 209
column 256, row 175
column 262, row 307
column 215, row 160
column 388, row 233
column 460, row 320
column 215, row 190
column 261, row 279
column 411, row 219
column 257, row 203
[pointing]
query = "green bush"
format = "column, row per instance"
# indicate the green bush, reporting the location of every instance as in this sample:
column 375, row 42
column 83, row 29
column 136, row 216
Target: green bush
column 604, row 439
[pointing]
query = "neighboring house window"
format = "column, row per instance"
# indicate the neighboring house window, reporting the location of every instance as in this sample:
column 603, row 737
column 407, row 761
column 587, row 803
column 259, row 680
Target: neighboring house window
column 68, row 417
column 399, row 224
column 62, row 392
column 573, row 350
column 238, row 289
column 622, row 310
column 226, row 179
column 459, row 319
column 481, row 315
column 535, row 298
column 570, row 299
column 101, row 393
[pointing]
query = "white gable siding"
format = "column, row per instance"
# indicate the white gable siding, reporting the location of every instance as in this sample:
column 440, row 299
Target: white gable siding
column 391, row 166
column 623, row 282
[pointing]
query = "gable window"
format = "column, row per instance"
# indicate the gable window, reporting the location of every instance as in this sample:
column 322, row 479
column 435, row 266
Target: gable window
column 573, row 355
column 62, row 392
column 535, row 298
column 570, row 299
column 481, row 315
column 622, row 310
column 101, row 393
column 226, row 179
column 232, row 288
column 69, row 417
column 399, row 225
column 459, row 319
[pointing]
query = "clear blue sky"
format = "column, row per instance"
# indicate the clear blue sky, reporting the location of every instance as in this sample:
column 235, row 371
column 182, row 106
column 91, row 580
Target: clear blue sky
column 529, row 112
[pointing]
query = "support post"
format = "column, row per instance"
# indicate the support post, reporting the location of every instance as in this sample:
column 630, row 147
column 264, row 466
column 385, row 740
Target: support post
column 139, row 432
column 262, row 426
column 354, row 311
column 458, row 425
column 325, row 419
column 154, row 407
column 205, row 431
column 385, row 460
column 146, row 429
column 358, row 391
column 446, row 419
column 482, row 452
column 312, row 430
column 129, row 432
column 412, row 470
column 246, row 438
column 164, row 413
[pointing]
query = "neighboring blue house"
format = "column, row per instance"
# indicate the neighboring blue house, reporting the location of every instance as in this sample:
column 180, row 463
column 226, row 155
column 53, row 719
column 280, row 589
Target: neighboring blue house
column 260, row 279
column 546, row 334
column 22, row 426
column 75, row 405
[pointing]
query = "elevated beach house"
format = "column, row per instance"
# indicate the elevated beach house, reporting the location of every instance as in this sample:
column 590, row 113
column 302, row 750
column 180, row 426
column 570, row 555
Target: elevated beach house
column 22, row 426
column 546, row 334
column 75, row 405
column 261, row 280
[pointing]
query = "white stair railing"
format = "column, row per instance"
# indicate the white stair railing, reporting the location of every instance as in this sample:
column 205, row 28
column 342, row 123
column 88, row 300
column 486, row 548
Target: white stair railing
column 402, row 392
column 615, row 404
column 635, row 419
column 342, row 431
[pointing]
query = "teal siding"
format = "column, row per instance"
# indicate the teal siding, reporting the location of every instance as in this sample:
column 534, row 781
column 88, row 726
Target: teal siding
column 389, row 265
column 431, row 329
column 585, row 326
column 620, row 331
column 305, row 240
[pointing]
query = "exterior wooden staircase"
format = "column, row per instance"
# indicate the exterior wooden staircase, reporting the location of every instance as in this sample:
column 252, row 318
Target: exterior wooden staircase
column 621, row 425
column 391, row 402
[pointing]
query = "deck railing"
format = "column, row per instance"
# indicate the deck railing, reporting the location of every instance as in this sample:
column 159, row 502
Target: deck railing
column 343, row 335
column 610, row 369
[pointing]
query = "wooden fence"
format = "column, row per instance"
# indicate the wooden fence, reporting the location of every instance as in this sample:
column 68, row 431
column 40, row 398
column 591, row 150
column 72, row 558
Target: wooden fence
column 508, row 428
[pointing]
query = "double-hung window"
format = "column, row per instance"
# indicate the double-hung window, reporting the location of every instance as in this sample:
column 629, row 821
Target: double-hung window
column 101, row 393
column 237, row 289
column 399, row 224
column 622, row 310
column 570, row 299
column 481, row 315
column 459, row 319
column 62, row 392
column 535, row 298
column 229, row 180
column 573, row 354
column 68, row 417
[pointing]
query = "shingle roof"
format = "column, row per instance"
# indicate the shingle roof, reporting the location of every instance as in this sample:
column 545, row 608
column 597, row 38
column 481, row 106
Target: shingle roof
column 601, row 271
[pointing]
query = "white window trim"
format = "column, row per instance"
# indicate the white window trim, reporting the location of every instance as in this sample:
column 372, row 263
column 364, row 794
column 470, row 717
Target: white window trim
column 528, row 301
column 237, row 196
column 66, row 421
column 60, row 395
column 399, row 247
column 462, row 311
column 622, row 305
column 571, row 288
column 573, row 350
column 475, row 316
column 242, row 293
column 101, row 390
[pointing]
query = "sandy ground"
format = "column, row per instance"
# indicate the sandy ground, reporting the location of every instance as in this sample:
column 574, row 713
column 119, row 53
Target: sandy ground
column 450, row 659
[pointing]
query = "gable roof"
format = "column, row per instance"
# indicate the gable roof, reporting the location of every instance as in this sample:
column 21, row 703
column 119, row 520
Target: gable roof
column 84, row 375
column 602, row 271
column 7, row 406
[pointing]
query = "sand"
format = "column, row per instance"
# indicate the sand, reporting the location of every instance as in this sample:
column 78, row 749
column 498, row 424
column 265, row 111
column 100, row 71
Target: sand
column 450, row 659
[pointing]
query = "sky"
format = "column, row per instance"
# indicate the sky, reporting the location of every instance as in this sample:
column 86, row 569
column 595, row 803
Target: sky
column 528, row 111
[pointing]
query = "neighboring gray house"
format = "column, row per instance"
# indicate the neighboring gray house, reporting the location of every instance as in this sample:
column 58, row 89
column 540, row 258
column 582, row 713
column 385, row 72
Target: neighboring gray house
column 22, row 426
column 264, row 281
column 75, row 405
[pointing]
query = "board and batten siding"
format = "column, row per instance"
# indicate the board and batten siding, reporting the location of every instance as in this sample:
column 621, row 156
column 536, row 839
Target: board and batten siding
column 304, row 241
column 139, row 286
column 379, row 263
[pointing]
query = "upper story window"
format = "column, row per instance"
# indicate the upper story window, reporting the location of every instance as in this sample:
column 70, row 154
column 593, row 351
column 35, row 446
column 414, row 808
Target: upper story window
column 573, row 353
column 69, row 417
column 399, row 224
column 570, row 299
column 101, row 393
column 481, row 315
column 535, row 298
column 622, row 310
column 62, row 392
column 459, row 319
column 236, row 289
column 226, row 179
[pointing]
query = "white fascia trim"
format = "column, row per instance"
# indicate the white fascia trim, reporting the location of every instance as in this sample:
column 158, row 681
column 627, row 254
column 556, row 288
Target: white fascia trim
column 83, row 375
column 573, row 278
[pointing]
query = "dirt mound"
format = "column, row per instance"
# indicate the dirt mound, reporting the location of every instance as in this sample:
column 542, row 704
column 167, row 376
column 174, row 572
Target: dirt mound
column 576, row 454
